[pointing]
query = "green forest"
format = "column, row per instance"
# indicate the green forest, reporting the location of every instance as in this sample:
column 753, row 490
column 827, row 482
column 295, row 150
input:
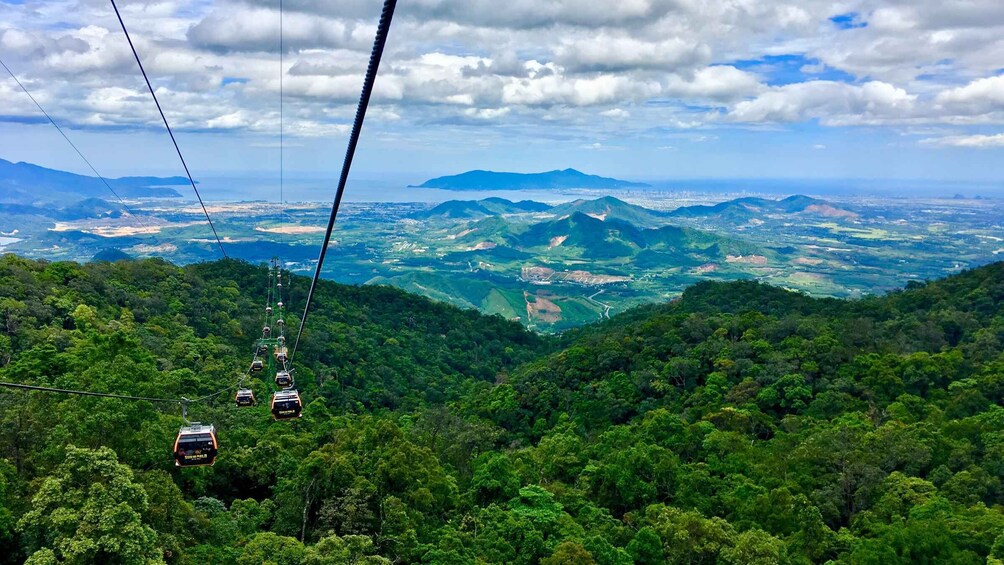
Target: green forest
column 738, row 424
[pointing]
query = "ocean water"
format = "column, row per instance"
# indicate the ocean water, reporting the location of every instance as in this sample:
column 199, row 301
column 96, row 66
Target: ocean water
column 322, row 190
column 396, row 189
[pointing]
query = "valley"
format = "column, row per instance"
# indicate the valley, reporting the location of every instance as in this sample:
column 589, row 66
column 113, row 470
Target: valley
column 553, row 266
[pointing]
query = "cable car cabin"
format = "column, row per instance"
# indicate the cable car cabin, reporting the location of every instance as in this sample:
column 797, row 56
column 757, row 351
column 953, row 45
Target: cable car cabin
column 266, row 331
column 281, row 339
column 257, row 365
column 281, row 355
column 280, row 322
column 262, row 349
column 244, row 398
column 283, row 379
column 286, row 405
column 268, row 310
column 196, row 446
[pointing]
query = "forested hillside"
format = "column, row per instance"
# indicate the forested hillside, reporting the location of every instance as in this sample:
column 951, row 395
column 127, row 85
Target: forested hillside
column 739, row 424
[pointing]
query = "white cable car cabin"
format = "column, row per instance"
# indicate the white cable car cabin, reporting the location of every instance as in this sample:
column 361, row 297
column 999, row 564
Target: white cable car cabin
column 281, row 354
column 266, row 331
column 244, row 398
column 286, row 405
column 257, row 365
column 283, row 379
column 195, row 446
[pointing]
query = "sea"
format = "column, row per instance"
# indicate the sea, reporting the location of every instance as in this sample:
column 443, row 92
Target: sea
column 391, row 189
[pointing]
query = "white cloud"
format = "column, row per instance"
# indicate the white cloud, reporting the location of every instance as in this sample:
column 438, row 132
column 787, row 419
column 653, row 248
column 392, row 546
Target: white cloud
column 547, row 68
column 557, row 89
column 486, row 113
column 719, row 82
column 228, row 121
column 975, row 141
column 618, row 113
column 257, row 29
column 607, row 52
column 979, row 96
column 522, row 14
column 597, row 146
column 17, row 41
column 834, row 103
column 906, row 39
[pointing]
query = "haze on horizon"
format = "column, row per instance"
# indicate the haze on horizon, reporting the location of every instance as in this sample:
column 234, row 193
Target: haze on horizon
column 646, row 89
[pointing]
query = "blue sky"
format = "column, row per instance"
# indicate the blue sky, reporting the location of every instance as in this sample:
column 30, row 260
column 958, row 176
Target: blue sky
column 646, row 89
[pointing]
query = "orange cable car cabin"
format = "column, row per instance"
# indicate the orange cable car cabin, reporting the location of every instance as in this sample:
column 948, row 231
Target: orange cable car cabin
column 195, row 446
column 286, row 405
column 283, row 379
column 244, row 398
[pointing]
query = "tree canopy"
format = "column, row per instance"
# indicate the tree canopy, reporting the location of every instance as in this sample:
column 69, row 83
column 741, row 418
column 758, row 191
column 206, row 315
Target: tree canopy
column 739, row 424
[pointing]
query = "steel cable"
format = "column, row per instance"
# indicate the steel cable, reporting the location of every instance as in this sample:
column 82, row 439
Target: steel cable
column 364, row 99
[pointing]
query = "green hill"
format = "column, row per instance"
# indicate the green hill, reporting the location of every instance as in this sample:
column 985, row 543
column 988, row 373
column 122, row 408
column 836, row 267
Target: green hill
column 455, row 209
column 744, row 209
column 592, row 237
column 739, row 424
column 28, row 184
column 503, row 206
column 610, row 208
column 606, row 207
column 493, row 229
column 586, row 237
column 111, row 255
column 469, row 209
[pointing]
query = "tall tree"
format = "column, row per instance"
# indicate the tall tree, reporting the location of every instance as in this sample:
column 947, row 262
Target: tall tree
column 90, row 511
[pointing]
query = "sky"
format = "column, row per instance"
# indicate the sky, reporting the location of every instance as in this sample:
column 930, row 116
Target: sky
column 638, row 89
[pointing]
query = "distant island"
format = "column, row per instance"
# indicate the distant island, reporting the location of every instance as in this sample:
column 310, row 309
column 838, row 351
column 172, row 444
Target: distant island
column 491, row 180
column 28, row 184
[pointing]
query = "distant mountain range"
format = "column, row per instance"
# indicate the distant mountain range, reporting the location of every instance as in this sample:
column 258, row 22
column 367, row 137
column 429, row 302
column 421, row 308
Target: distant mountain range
column 491, row 180
column 590, row 230
column 745, row 208
column 578, row 236
column 610, row 208
column 603, row 208
column 607, row 228
column 468, row 209
column 75, row 210
column 31, row 185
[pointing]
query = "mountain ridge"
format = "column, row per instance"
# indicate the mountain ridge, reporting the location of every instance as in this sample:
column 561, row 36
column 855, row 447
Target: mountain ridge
column 470, row 209
column 587, row 237
column 479, row 179
column 613, row 208
column 30, row 184
column 748, row 206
